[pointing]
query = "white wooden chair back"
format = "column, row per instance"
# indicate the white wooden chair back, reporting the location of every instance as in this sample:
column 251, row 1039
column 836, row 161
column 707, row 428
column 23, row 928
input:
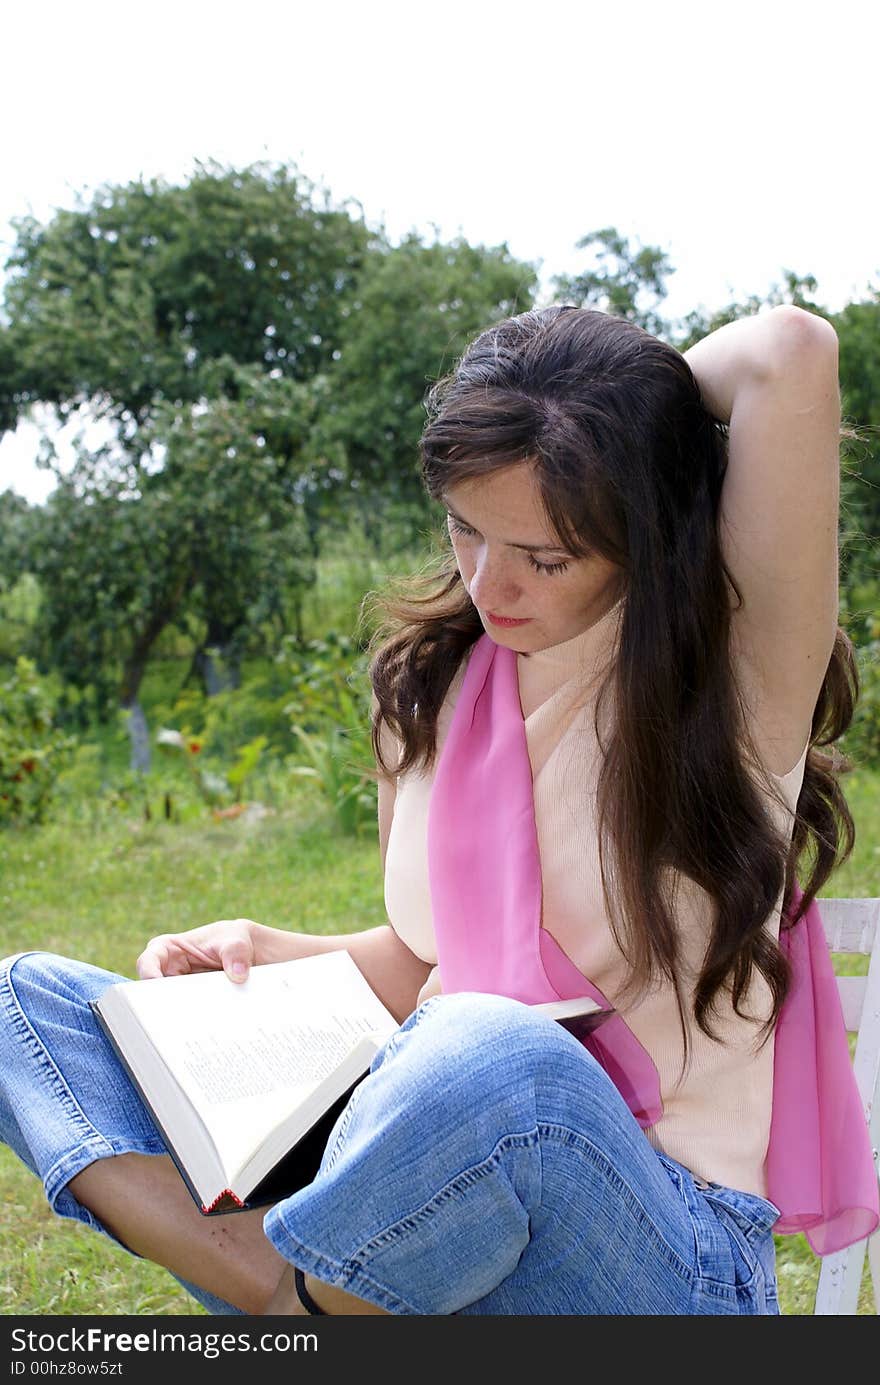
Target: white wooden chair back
column 853, row 925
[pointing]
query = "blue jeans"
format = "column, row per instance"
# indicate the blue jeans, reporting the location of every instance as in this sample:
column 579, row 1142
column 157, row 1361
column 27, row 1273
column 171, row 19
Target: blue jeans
column 486, row 1165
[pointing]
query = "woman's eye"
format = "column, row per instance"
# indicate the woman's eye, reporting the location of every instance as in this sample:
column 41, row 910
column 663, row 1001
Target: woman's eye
column 458, row 528
column 546, row 567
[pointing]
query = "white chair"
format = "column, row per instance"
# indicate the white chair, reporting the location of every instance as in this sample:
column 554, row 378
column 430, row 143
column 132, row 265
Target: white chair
column 853, row 925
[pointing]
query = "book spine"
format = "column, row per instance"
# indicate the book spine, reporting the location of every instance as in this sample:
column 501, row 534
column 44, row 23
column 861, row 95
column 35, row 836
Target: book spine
column 222, row 1197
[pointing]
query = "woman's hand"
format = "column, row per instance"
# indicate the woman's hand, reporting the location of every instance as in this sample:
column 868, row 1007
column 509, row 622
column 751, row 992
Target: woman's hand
column 228, row 945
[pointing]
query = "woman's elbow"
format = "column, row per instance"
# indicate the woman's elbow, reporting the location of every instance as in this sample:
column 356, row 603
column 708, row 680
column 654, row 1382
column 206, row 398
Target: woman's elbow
column 800, row 340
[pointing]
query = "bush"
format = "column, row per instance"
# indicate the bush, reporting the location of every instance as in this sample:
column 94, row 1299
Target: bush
column 862, row 741
column 862, row 623
column 329, row 710
column 19, row 617
column 306, row 716
column 32, row 749
column 235, row 717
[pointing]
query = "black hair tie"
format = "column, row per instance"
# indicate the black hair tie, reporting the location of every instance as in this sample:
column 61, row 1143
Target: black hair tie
column 303, row 1294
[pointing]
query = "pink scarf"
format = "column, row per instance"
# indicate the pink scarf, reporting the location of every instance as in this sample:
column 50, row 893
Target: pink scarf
column 486, row 895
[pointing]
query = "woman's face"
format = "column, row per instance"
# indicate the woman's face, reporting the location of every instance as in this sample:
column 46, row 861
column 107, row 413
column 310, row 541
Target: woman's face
column 512, row 565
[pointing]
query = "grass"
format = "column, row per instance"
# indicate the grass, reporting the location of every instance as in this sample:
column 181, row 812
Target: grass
column 99, row 891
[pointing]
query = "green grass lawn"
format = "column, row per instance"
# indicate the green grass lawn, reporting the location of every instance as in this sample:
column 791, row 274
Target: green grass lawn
column 99, row 891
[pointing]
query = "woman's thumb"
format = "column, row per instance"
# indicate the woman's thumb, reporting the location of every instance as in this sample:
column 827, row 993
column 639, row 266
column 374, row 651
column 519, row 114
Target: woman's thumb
column 237, row 956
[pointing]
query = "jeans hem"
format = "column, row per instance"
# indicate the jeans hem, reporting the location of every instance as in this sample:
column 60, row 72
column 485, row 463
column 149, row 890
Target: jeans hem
column 350, row 1272
column 74, row 1161
column 352, row 1279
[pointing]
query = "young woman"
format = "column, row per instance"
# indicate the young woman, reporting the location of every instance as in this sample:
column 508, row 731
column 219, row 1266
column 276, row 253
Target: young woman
column 598, row 729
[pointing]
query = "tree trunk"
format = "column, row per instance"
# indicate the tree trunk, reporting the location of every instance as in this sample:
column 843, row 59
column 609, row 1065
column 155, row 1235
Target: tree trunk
column 218, row 661
column 218, row 669
column 139, row 734
column 371, row 520
column 132, row 677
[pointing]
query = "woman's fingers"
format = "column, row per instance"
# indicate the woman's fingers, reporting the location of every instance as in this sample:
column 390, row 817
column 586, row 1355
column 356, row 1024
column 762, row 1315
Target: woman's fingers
column 226, row 945
column 153, row 960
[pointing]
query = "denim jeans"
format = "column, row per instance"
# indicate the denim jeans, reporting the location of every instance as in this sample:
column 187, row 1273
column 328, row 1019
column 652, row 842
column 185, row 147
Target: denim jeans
column 487, row 1165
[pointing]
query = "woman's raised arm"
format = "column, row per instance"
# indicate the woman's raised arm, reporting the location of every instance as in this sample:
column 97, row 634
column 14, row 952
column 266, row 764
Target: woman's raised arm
column 773, row 379
column 766, row 347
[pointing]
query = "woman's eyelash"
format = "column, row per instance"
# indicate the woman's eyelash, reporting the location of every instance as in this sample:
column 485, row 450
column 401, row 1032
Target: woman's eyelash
column 547, row 567
column 460, row 528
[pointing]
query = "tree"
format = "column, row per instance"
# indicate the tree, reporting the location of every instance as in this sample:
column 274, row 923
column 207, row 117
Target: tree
column 629, row 283
column 795, row 288
column 190, row 317
column 202, row 520
column 137, row 293
column 416, row 308
column 113, row 574
column 858, row 332
column 10, row 384
column 240, row 468
column 263, row 359
column 19, row 593
column 16, row 520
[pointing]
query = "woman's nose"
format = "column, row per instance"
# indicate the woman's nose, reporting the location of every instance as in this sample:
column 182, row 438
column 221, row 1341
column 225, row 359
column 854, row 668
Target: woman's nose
column 492, row 586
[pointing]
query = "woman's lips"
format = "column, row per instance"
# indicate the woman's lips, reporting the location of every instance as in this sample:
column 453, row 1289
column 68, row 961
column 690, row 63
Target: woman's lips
column 506, row 621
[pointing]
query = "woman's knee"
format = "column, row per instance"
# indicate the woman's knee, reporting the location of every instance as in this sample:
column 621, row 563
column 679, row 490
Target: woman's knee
column 22, row 976
column 486, row 1044
column 46, row 980
column 32, row 969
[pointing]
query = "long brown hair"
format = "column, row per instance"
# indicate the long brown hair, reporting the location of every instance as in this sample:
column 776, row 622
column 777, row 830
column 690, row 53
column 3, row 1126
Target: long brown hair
column 630, row 464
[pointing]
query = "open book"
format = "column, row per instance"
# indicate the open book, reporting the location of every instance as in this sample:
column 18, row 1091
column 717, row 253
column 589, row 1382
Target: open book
column 246, row 1081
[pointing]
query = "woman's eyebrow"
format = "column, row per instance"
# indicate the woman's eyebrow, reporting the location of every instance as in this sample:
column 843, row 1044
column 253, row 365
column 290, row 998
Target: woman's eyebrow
column 528, row 547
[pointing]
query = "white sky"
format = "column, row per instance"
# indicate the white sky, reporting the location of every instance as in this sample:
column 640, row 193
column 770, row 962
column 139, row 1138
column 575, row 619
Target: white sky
column 742, row 138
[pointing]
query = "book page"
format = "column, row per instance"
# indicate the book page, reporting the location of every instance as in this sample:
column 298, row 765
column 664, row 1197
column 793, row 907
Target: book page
column 246, row 1054
column 219, row 1069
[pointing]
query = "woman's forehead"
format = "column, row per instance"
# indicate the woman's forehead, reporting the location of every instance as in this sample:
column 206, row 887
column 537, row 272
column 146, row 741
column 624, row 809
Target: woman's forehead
column 509, row 501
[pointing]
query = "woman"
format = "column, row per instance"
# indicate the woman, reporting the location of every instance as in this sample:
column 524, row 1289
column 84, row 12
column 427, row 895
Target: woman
column 649, row 541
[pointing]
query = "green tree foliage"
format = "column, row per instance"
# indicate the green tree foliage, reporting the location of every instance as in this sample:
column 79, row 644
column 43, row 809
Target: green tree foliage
column 113, row 570
column 202, row 520
column 10, row 380
column 415, row 310
column 19, row 593
column 797, row 289
column 191, row 317
column 629, row 282
column 858, row 333
column 139, row 292
column 239, row 468
column 16, row 524
column 263, row 359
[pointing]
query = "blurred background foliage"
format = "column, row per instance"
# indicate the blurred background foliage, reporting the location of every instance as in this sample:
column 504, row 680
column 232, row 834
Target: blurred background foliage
column 257, row 359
